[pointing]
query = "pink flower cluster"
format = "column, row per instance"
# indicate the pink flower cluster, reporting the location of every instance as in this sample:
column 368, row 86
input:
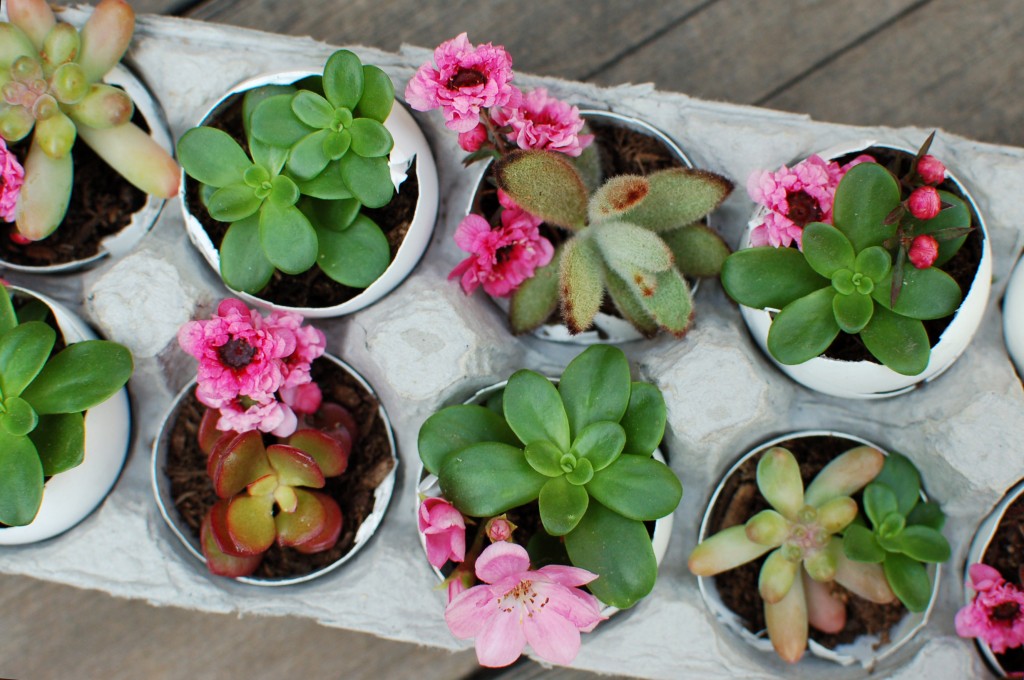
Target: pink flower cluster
column 503, row 257
column 795, row 197
column 12, row 176
column 996, row 614
column 539, row 121
column 245, row 360
column 515, row 606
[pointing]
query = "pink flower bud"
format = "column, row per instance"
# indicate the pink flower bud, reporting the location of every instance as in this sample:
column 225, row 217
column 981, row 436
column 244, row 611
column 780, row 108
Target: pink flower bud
column 472, row 141
column 499, row 529
column 303, row 398
column 924, row 203
column 923, row 251
column 444, row 529
column 931, row 169
column 19, row 239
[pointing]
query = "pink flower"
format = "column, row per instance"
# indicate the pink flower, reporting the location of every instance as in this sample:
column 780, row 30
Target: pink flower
column 923, row 252
column 466, row 80
column 503, row 257
column 239, row 355
column 995, row 615
column 515, row 606
column 445, row 530
column 12, row 176
column 303, row 398
column 796, row 196
column 472, row 140
column 931, row 169
column 310, row 344
column 273, row 416
column 924, row 203
column 539, row 121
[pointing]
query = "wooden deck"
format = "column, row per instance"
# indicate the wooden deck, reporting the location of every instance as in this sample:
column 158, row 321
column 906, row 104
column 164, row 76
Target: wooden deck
column 943, row 63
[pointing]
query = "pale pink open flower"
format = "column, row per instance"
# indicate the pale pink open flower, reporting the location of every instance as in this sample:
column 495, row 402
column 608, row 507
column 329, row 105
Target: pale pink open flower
column 514, row 607
column 273, row 416
column 539, row 121
column 796, row 197
column 996, row 614
column 12, row 176
column 466, row 80
column 444, row 529
column 503, row 257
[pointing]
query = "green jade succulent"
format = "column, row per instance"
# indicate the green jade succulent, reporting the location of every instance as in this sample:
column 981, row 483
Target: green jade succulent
column 51, row 83
column 633, row 239
column 846, row 278
column 319, row 154
column 582, row 451
column 905, row 532
column 801, row 533
column 42, row 403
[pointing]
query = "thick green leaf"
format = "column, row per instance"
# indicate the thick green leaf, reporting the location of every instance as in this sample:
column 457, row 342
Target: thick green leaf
column 638, row 488
column 487, row 479
column 308, row 157
column 898, row 342
column 909, row 580
column 827, row 249
column 312, row 109
column 356, row 256
column 595, row 387
column 536, row 298
column 287, row 238
column 534, row 410
column 60, row 442
column 865, row 197
column 902, row 477
column 378, row 95
column 769, row 277
column 337, row 144
column 644, row 420
column 24, row 350
column 21, row 484
column 627, row 302
column 270, row 158
column 579, row 281
column 343, row 79
column 956, row 215
column 926, row 294
column 927, row 514
column 8, row 318
column 328, row 185
column 618, row 550
column 250, row 522
column 233, row 203
column 243, row 266
column 274, row 122
column 879, row 503
column 333, row 215
column 369, row 179
column 600, row 443
column 778, row 479
column 544, row 184
column 804, row 328
column 81, row 376
column 853, row 311
column 699, row 250
column 562, row 506
column 924, row 544
column 630, row 250
column 454, row 428
column 859, row 544
column 874, row 263
column 253, row 98
column 212, row 157
column 677, row 197
column 545, row 458
column 370, row 138
column 18, row 418
column 671, row 305
column 33, row 310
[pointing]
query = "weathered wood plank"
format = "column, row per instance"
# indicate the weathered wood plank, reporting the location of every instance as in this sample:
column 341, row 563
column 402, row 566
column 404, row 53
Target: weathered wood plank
column 742, row 51
column 950, row 64
column 52, row 631
column 544, row 37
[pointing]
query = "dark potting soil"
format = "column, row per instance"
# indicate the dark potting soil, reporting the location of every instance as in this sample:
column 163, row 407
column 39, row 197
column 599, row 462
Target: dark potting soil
column 312, row 288
column 368, row 465
column 740, row 500
column 1006, row 554
column 962, row 267
column 102, row 204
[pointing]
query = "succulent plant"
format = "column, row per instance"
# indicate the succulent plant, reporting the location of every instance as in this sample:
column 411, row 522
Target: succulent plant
column 252, row 479
column 802, row 530
column 43, row 397
column 319, row 153
column 851, row 277
column 51, row 77
column 634, row 238
column 582, row 451
column 905, row 532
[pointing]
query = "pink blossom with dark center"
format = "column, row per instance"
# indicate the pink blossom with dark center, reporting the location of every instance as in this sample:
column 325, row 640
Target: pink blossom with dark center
column 540, row 121
column 310, row 344
column 466, row 80
column 12, row 177
column 503, row 257
column 996, row 614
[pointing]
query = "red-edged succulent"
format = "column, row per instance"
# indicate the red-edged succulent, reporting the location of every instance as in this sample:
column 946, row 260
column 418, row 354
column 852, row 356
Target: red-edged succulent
column 267, row 492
